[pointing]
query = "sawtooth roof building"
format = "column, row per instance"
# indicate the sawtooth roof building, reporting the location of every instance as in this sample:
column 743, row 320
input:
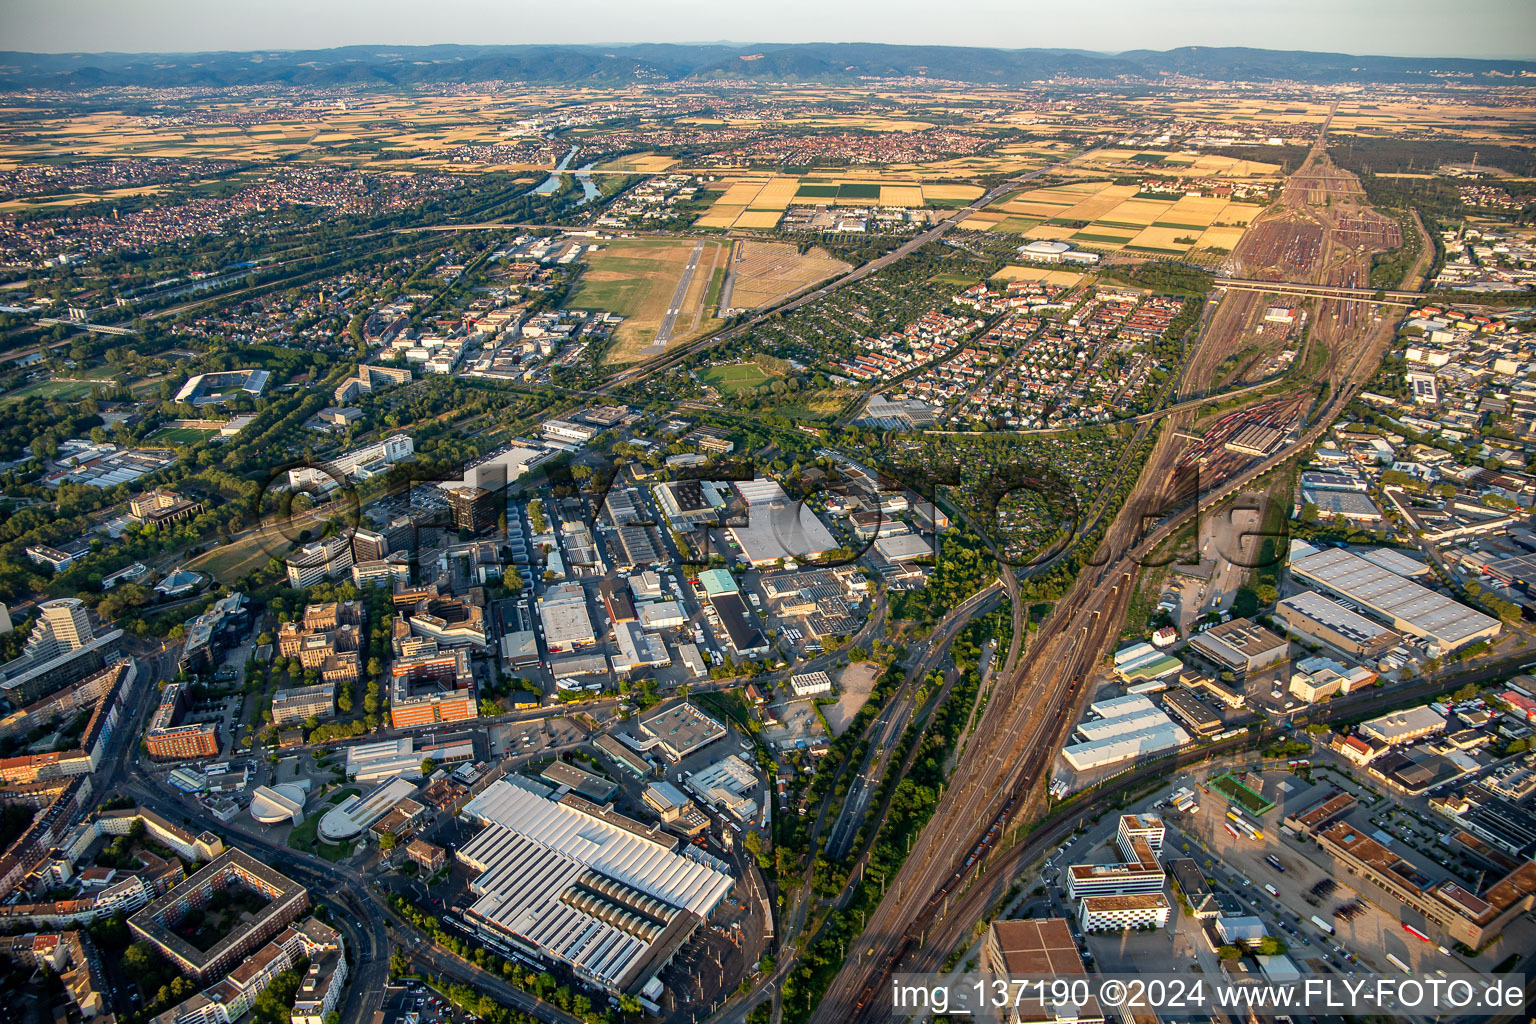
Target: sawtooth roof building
column 580, row 885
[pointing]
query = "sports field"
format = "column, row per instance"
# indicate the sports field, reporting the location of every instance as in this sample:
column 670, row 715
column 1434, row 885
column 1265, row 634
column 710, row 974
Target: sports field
column 62, row 390
column 637, row 279
column 1110, row 218
column 729, row 379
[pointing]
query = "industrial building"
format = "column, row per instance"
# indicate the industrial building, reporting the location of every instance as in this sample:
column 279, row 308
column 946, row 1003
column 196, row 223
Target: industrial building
column 1241, row 645
column 637, row 649
column 687, row 503
column 905, row 548
column 572, row 883
column 777, row 528
column 1465, row 916
column 1403, row 726
column 388, row 759
column 677, row 731
column 1313, row 616
column 1405, row 605
column 810, row 684
column 567, row 626
column 1126, row 727
column 1351, row 505
column 746, row 640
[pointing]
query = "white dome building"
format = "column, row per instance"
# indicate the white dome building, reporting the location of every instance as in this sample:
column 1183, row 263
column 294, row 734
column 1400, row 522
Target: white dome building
column 274, row 805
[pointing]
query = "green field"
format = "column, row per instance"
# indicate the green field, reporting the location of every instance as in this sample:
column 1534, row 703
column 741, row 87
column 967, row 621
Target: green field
column 816, row 192
column 229, row 562
column 65, row 390
column 733, row 378
column 180, row 435
column 858, row 190
column 1251, row 801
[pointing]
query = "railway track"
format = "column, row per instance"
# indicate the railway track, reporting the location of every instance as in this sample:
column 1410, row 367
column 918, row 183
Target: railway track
column 1000, row 779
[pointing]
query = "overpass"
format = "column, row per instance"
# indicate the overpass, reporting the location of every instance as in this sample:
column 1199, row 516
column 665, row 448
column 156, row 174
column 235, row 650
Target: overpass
column 53, row 321
column 1326, row 291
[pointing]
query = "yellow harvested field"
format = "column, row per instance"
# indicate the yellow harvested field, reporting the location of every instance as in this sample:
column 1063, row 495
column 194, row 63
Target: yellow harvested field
column 1178, row 165
column 1166, row 238
column 1195, row 210
column 1040, row 274
column 757, row 219
column 1049, row 231
column 1043, row 210
column 1094, row 207
column 1137, row 212
column 640, row 163
column 1221, row 238
column 742, row 192
column 1240, row 213
column 901, row 195
column 965, row 192
column 775, row 195
column 718, row 216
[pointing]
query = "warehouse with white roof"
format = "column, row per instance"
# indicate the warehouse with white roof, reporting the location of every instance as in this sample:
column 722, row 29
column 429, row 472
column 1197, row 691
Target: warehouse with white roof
column 580, row 885
column 1126, row 727
column 1403, row 604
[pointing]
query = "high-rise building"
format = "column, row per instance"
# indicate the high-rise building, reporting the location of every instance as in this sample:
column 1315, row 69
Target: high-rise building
column 63, row 625
column 323, row 560
column 368, row 546
column 474, row 509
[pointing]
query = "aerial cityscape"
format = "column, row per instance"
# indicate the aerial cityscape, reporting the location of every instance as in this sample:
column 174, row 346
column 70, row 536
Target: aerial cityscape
column 501, row 530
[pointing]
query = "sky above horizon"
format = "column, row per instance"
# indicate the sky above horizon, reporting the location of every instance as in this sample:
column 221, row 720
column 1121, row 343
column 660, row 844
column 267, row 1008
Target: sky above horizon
column 1469, row 28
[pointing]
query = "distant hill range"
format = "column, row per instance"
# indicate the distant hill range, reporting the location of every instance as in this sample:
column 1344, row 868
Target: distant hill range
column 825, row 63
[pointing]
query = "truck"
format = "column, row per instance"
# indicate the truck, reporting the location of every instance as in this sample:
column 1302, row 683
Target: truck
column 1323, row 925
column 1271, row 890
column 1274, row 862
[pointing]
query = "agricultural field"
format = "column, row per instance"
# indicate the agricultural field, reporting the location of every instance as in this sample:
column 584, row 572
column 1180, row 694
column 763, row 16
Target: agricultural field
column 1111, row 218
column 765, row 272
column 758, row 201
column 638, row 163
column 1176, row 165
column 637, row 279
column 419, row 130
column 1041, row 275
